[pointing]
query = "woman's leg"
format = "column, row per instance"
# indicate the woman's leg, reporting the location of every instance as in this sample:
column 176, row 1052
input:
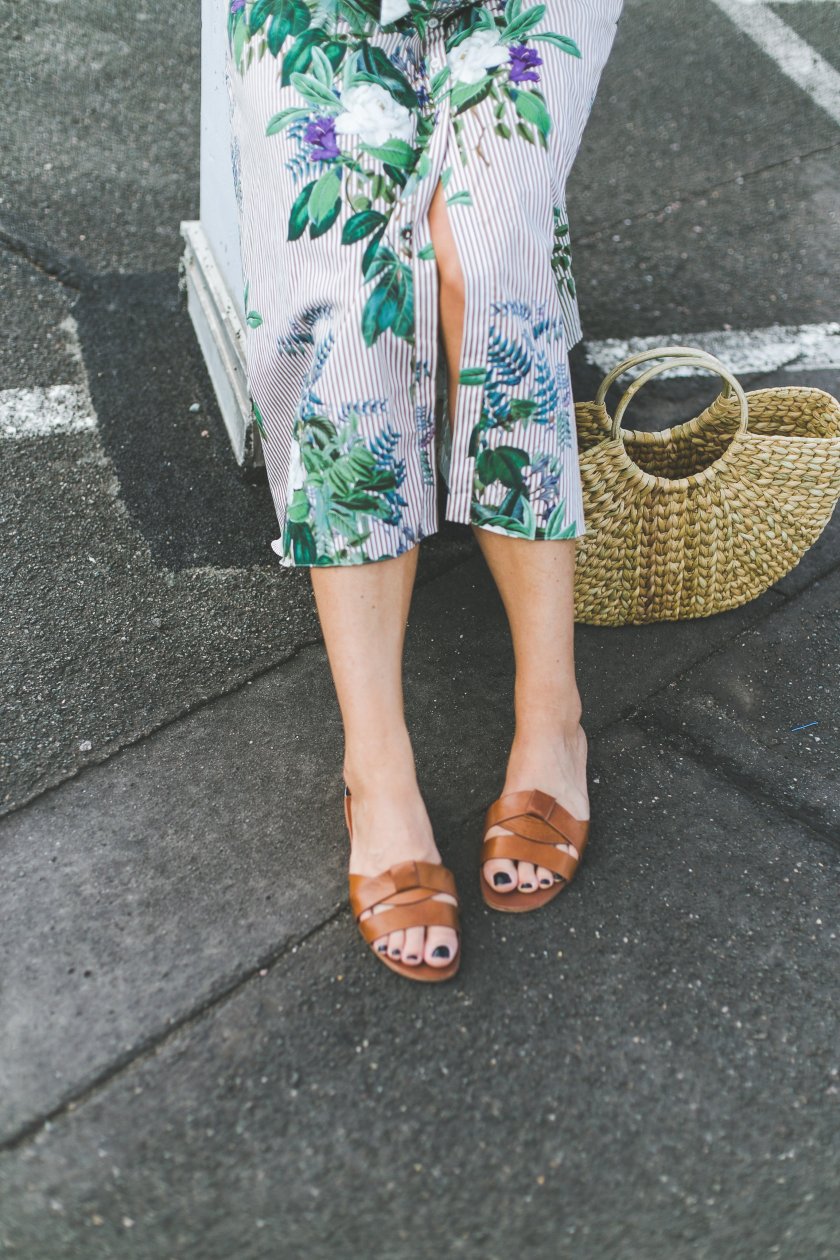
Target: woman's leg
column 363, row 611
column 536, row 583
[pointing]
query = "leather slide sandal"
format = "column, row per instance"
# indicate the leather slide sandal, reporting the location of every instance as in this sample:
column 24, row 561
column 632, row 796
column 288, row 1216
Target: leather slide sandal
column 408, row 889
column 538, row 824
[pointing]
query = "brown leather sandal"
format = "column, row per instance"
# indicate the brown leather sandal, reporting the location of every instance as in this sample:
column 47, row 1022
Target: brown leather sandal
column 539, row 824
column 410, row 888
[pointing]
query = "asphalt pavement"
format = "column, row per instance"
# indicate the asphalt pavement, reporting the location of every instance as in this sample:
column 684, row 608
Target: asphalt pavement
column 198, row 1061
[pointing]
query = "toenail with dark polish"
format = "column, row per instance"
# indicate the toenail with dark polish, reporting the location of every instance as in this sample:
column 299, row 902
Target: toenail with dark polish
column 545, row 882
column 440, row 951
column 524, row 886
column 382, row 948
column 395, row 953
column 411, row 958
column 501, row 878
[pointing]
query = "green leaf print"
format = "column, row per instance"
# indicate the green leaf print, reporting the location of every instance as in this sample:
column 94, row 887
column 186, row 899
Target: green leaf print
column 516, row 30
column 403, row 325
column 380, row 309
column 521, row 409
column 472, row 376
column 395, row 152
column 462, row 198
column 530, row 107
column 373, row 260
column 504, row 464
column 427, row 251
column 321, row 67
column 286, row 116
column 324, row 196
column 554, row 527
column 562, row 41
column 358, row 226
column 262, row 10
column 298, row 57
column 465, row 95
column 299, row 215
column 438, row 80
column 324, row 225
column 375, row 66
column 314, row 93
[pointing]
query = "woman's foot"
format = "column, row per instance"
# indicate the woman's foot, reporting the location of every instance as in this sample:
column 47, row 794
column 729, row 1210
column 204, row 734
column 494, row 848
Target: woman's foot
column 555, row 763
column 391, row 825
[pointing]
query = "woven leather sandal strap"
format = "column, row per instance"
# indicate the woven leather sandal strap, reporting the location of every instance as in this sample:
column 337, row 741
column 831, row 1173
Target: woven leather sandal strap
column 521, row 849
column 539, row 808
column 368, row 891
column 428, row 913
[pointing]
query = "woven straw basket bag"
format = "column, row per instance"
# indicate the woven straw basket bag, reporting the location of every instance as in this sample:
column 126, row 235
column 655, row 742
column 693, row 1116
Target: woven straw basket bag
column 706, row 515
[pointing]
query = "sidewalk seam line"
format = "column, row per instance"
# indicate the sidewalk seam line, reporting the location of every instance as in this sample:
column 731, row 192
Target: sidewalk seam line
column 195, row 707
column 694, row 194
column 152, row 1044
column 725, row 768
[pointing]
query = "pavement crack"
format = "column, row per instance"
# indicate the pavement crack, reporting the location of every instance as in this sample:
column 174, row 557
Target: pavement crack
column 50, row 263
column 716, row 763
column 149, row 732
column 697, row 194
column 151, row 1045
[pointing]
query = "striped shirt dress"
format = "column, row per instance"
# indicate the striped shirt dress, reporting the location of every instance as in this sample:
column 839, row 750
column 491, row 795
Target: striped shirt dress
column 345, row 116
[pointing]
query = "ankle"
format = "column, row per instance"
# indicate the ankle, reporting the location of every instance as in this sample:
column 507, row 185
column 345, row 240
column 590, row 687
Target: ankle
column 548, row 728
column 388, row 766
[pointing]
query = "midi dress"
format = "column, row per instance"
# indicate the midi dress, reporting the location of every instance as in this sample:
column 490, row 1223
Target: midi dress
column 345, row 117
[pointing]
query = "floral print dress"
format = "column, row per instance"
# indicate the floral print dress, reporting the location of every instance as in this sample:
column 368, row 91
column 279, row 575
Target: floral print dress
column 345, row 117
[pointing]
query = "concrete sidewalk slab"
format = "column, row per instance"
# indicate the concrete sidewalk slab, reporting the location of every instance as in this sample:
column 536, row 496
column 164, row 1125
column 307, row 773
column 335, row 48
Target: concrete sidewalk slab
column 741, row 255
column 687, row 102
column 739, row 708
column 104, row 163
column 646, row 1068
column 170, row 871
column 161, row 878
column 459, row 677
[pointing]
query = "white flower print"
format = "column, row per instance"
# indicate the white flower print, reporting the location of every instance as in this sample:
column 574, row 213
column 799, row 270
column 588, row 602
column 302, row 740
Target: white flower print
column 297, row 473
column 372, row 112
column 476, row 54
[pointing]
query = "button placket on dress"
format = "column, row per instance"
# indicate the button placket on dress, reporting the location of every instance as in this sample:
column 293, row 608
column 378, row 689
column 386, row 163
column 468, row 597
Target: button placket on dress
column 426, row 280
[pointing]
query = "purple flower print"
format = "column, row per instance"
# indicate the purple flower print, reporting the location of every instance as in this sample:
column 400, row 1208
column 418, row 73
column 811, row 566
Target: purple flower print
column 236, row 6
column 320, row 133
column 522, row 62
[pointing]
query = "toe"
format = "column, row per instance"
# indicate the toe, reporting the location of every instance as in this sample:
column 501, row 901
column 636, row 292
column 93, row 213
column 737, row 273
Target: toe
column 380, row 943
column 500, row 874
column 545, row 877
column 527, row 877
column 396, row 941
column 441, row 946
column 412, row 952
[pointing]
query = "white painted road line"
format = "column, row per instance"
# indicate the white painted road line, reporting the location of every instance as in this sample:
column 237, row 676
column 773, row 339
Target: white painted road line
column 39, row 412
column 792, row 54
column 790, row 348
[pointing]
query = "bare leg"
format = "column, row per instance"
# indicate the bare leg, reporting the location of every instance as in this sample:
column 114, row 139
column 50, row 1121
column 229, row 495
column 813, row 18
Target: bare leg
column 363, row 611
column 536, row 583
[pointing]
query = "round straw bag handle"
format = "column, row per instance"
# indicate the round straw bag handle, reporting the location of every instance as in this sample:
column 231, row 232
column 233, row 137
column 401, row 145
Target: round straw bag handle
column 693, row 359
column 660, row 352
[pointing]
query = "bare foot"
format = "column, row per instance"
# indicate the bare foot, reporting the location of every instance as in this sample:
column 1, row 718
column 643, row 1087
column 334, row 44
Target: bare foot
column 391, row 825
column 556, row 765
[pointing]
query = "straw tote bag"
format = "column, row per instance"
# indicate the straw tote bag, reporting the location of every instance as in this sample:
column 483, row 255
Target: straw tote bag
column 706, row 515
